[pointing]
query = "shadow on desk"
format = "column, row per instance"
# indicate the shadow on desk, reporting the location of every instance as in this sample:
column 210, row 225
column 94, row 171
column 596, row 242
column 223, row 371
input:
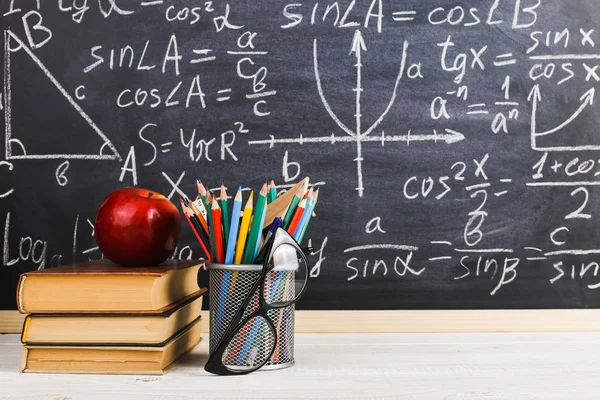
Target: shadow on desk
column 196, row 360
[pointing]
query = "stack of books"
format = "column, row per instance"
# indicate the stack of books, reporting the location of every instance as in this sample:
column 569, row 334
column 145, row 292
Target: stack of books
column 97, row 317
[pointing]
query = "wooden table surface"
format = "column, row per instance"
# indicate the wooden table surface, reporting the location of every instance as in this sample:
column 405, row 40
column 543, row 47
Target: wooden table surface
column 489, row 366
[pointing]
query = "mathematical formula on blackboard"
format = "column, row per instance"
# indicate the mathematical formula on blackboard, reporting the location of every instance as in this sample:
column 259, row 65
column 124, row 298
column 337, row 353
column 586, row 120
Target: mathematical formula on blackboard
column 456, row 145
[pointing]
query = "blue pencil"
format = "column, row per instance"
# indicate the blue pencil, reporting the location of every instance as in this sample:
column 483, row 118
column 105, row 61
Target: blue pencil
column 305, row 216
column 235, row 225
column 222, row 300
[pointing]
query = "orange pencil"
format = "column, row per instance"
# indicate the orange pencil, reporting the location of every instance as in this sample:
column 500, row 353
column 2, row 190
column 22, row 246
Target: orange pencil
column 217, row 231
column 296, row 218
column 199, row 215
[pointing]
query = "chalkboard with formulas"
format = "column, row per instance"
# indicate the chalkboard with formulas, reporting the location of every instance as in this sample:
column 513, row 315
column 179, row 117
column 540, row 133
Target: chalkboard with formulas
column 455, row 145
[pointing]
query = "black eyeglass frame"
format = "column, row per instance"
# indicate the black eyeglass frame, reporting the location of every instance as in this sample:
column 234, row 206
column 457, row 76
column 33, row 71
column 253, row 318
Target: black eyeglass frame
column 215, row 364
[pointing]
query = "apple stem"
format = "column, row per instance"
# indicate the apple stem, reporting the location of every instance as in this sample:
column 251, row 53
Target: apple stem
column 150, row 194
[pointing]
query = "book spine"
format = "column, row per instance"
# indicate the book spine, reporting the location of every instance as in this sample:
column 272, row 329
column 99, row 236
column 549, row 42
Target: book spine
column 23, row 363
column 26, row 324
column 20, row 293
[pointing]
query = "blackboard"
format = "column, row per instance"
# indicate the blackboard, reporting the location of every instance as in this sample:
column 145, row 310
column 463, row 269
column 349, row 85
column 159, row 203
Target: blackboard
column 455, row 144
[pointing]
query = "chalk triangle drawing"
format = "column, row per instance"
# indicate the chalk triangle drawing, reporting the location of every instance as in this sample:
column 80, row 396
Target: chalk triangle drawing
column 107, row 151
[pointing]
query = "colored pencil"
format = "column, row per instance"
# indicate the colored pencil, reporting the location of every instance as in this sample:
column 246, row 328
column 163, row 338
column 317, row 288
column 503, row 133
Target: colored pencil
column 276, row 224
column 217, row 231
column 292, row 208
column 278, row 324
column 201, row 190
column 196, row 221
column 296, row 218
column 198, row 214
column 312, row 208
column 244, row 226
column 208, row 204
column 222, row 303
column 279, row 206
column 235, row 224
column 200, row 241
column 304, row 217
column 224, row 203
column 254, row 236
column 241, row 337
column 272, row 192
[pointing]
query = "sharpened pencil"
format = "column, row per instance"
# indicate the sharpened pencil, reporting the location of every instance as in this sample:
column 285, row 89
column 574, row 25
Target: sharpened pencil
column 203, row 235
column 194, row 230
column 304, row 217
column 217, row 231
column 312, row 208
column 243, row 231
column 201, row 190
column 198, row 214
column 296, row 218
column 280, row 205
column 199, row 205
column 272, row 192
column 208, row 206
column 235, row 223
column 224, row 203
column 253, row 242
column 292, row 208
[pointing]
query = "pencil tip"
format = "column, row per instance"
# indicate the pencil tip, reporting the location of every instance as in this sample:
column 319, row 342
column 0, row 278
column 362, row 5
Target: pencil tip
column 200, row 187
column 263, row 189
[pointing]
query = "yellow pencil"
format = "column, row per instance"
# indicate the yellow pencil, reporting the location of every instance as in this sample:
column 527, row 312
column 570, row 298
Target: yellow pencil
column 244, row 227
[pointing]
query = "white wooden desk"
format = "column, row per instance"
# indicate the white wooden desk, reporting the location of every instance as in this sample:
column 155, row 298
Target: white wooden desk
column 489, row 366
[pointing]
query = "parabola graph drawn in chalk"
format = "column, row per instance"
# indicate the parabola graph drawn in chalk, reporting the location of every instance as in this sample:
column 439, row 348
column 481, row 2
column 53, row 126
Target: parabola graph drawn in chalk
column 535, row 97
column 358, row 135
column 10, row 141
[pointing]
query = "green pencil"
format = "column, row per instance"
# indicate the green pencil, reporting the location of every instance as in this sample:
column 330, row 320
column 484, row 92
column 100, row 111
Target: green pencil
column 272, row 192
column 253, row 241
column 294, row 203
column 225, row 213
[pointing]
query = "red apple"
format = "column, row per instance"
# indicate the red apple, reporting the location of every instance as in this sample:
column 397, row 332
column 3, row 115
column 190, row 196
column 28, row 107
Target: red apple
column 136, row 226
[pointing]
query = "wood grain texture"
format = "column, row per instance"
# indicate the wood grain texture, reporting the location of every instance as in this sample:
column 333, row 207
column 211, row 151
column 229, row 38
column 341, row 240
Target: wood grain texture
column 517, row 366
column 407, row 321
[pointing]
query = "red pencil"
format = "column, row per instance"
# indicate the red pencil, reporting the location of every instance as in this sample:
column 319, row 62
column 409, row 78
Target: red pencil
column 218, row 231
column 296, row 218
column 204, row 249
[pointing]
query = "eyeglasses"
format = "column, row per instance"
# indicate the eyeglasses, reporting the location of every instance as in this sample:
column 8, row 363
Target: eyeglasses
column 251, row 337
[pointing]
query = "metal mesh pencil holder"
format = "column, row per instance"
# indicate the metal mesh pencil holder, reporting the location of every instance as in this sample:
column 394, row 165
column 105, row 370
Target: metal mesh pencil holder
column 229, row 285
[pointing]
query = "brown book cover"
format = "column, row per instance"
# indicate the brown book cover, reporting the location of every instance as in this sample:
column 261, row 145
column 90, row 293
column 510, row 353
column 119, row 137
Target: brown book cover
column 110, row 359
column 111, row 329
column 102, row 286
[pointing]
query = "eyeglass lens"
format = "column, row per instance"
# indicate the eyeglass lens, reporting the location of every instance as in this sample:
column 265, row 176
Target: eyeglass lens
column 250, row 346
column 286, row 281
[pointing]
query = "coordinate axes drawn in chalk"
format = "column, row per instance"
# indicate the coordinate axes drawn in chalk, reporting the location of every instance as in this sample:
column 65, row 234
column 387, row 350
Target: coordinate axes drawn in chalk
column 535, row 97
column 10, row 141
column 358, row 135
